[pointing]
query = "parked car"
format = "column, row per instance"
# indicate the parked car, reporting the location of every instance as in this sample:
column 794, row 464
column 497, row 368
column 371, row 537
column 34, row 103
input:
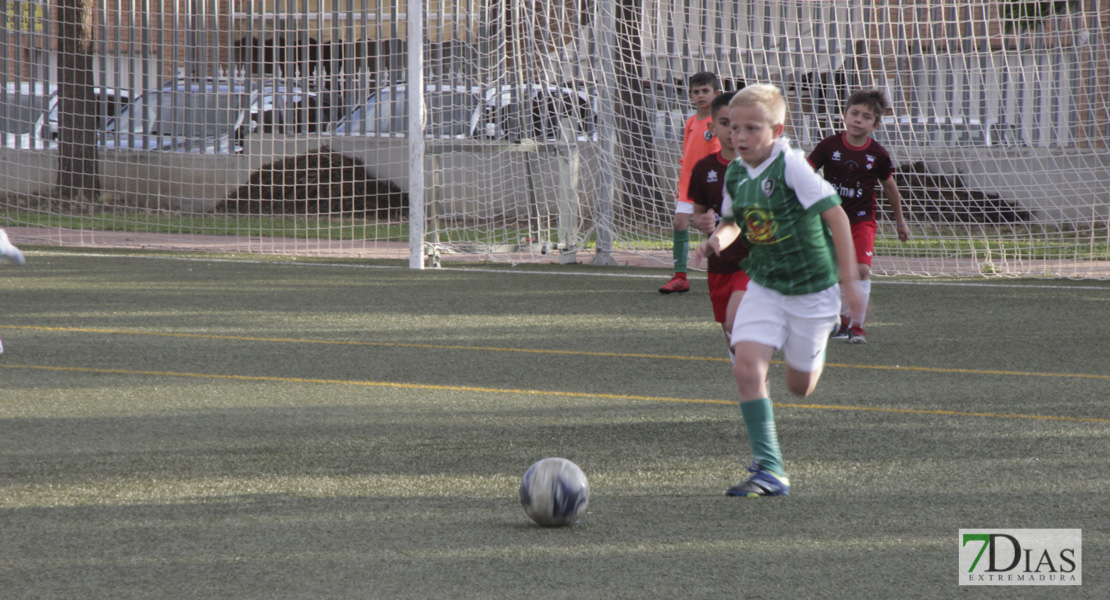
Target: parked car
column 535, row 111
column 457, row 111
column 449, row 111
column 213, row 116
column 109, row 102
column 22, row 109
column 936, row 131
column 29, row 113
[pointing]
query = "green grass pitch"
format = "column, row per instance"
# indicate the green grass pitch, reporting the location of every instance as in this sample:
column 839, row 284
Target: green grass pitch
column 194, row 427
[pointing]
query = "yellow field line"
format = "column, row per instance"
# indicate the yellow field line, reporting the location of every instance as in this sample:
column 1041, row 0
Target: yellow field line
column 536, row 351
column 466, row 388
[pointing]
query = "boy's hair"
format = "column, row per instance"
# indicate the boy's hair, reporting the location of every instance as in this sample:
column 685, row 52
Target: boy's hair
column 705, row 78
column 720, row 102
column 765, row 96
column 874, row 99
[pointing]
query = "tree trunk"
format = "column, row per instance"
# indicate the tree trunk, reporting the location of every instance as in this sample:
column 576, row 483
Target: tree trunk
column 78, row 177
column 642, row 187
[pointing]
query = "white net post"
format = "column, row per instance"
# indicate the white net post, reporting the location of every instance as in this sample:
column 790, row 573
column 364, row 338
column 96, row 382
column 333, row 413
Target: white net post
column 607, row 193
column 415, row 30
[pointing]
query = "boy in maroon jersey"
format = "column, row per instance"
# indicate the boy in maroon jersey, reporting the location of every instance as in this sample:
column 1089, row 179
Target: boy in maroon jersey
column 853, row 163
column 727, row 281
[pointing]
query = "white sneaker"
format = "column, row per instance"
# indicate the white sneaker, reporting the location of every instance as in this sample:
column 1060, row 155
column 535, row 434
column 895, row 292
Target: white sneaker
column 9, row 252
column 1, row 346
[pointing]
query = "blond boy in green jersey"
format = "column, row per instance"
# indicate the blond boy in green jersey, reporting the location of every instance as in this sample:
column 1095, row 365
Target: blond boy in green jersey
column 799, row 249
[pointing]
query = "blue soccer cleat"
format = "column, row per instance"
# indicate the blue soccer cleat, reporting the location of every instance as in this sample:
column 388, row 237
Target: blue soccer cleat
column 761, row 483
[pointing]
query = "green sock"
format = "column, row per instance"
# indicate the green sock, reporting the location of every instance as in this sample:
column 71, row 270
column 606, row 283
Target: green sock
column 759, row 420
column 681, row 250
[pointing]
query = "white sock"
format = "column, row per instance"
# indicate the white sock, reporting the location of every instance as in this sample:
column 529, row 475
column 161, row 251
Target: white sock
column 864, row 286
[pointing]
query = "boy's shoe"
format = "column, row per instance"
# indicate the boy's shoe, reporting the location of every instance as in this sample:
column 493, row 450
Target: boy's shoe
column 677, row 284
column 1, row 346
column 8, row 251
column 840, row 332
column 761, row 483
column 856, row 335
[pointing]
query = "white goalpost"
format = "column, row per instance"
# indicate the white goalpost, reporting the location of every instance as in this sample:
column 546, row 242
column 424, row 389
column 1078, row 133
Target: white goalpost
column 525, row 131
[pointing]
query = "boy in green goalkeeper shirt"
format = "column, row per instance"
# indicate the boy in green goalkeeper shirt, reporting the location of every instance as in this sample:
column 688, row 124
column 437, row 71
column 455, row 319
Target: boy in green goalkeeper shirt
column 799, row 249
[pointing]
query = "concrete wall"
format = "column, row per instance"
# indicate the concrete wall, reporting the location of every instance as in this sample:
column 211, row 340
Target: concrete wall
column 1056, row 184
column 492, row 181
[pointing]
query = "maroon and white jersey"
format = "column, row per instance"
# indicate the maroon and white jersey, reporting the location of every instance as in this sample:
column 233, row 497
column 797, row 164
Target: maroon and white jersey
column 853, row 172
column 707, row 184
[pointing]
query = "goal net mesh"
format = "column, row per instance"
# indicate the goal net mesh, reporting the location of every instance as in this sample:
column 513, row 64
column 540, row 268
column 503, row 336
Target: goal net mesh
column 552, row 130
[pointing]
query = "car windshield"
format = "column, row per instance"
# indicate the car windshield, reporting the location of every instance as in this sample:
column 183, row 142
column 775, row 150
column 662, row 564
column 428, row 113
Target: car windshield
column 386, row 112
column 182, row 114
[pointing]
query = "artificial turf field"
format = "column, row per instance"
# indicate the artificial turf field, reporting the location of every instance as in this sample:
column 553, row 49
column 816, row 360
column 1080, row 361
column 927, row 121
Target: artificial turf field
column 195, row 427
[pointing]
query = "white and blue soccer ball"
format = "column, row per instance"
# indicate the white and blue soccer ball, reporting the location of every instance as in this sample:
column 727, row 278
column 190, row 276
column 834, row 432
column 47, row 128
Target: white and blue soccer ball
column 554, row 492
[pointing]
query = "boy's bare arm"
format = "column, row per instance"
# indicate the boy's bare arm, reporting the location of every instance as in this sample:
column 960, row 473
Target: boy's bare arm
column 722, row 238
column 890, row 191
column 845, row 260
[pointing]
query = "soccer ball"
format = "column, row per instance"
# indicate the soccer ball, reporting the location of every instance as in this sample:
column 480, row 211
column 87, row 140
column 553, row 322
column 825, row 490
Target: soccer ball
column 554, row 492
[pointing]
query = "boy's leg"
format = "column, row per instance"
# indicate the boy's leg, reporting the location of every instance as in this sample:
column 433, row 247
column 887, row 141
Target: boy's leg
column 803, row 347
column 730, row 318
column 759, row 328
column 680, row 250
column 863, row 237
column 804, row 351
column 725, row 292
column 750, row 370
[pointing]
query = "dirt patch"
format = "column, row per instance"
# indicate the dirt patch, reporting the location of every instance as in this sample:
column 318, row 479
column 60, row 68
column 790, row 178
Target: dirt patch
column 938, row 198
column 320, row 182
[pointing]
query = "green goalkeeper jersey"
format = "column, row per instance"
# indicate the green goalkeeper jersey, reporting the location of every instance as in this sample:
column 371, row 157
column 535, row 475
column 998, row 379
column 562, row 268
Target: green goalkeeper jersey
column 778, row 207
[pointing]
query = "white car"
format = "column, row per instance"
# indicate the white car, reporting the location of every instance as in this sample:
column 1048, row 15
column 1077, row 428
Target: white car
column 212, row 116
column 937, row 131
column 29, row 113
column 449, row 110
column 536, row 112
column 22, row 107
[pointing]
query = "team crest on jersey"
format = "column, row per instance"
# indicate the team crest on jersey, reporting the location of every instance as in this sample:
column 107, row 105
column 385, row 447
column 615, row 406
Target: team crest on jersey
column 768, row 187
column 708, row 135
column 870, row 162
column 761, row 227
column 711, row 177
column 836, row 155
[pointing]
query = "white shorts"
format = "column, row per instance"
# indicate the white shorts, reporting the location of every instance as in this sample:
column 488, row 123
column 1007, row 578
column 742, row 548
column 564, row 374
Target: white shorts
column 683, row 208
column 798, row 325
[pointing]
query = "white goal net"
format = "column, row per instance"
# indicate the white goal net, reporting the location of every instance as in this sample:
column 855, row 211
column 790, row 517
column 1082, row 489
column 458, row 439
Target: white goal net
column 551, row 129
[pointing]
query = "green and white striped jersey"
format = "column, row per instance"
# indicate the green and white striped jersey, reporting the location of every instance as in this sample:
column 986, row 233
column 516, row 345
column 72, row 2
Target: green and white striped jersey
column 778, row 207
